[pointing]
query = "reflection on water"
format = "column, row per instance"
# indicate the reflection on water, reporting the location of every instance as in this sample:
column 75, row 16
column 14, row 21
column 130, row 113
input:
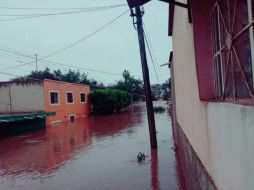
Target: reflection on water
column 155, row 183
column 97, row 152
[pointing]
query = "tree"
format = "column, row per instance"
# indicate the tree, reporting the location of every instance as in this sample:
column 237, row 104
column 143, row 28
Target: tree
column 166, row 89
column 109, row 100
column 71, row 76
column 130, row 84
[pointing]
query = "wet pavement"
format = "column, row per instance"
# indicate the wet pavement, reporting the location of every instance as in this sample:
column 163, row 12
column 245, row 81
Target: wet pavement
column 98, row 152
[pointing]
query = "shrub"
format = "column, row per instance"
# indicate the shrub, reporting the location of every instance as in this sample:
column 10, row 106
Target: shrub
column 159, row 109
column 107, row 101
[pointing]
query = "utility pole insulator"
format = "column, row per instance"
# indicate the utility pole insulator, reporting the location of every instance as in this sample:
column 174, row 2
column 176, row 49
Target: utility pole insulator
column 149, row 104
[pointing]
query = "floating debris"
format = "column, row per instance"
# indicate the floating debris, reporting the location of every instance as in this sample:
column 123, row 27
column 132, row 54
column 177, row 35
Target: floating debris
column 159, row 109
column 141, row 157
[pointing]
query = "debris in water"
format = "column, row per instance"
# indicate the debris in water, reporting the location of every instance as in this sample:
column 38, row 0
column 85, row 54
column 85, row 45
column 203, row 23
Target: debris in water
column 141, row 157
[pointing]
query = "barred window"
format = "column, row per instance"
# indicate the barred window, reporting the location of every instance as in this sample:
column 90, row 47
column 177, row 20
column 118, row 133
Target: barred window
column 233, row 48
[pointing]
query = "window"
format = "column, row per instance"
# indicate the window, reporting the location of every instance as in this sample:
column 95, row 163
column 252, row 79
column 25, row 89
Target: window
column 82, row 97
column 69, row 97
column 54, row 98
column 233, row 48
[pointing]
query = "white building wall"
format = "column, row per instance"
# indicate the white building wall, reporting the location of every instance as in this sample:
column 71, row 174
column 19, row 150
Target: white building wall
column 4, row 99
column 190, row 111
column 231, row 136
column 222, row 134
column 21, row 97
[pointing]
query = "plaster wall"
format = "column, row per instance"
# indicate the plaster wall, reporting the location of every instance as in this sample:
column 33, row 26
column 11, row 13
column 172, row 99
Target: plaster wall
column 190, row 112
column 4, row 99
column 221, row 134
column 21, row 97
column 231, row 134
column 63, row 109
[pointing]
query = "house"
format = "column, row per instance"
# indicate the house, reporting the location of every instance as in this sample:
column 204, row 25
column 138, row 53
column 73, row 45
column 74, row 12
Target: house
column 212, row 72
column 69, row 101
column 212, row 79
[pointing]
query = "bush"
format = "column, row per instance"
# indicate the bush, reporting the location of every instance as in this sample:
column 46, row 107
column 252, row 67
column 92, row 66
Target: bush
column 159, row 109
column 107, row 101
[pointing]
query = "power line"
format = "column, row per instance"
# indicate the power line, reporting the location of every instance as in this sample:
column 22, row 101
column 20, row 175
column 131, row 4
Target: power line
column 30, row 16
column 55, row 62
column 10, row 49
column 67, row 47
column 86, row 37
column 152, row 50
column 11, row 57
column 17, row 53
column 61, row 64
column 83, row 68
column 14, row 75
column 49, row 14
column 54, row 8
column 151, row 57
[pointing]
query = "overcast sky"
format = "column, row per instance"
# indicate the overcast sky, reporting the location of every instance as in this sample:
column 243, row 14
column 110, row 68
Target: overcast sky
column 111, row 50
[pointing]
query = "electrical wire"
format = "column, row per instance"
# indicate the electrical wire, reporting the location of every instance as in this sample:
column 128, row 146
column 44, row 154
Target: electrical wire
column 54, row 62
column 11, row 57
column 70, row 8
column 86, row 37
column 151, row 57
column 50, row 14
column 14, row 75
column 17, row 53
column 62, row 49
column 30, row 16
column 151, row 47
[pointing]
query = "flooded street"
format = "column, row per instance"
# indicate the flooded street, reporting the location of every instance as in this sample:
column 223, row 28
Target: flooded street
column 98, row 152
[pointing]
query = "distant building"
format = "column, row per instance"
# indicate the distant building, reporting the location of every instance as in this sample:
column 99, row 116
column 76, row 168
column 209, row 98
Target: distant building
column 69, row 101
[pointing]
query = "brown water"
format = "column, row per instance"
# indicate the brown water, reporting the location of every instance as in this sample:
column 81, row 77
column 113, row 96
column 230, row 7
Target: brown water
column 98, row 152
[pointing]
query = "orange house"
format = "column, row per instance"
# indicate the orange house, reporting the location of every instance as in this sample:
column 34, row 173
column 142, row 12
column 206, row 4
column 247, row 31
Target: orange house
column 68, row 100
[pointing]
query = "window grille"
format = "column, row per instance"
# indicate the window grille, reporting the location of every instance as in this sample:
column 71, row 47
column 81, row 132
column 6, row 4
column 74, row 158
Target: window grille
column 233, row 48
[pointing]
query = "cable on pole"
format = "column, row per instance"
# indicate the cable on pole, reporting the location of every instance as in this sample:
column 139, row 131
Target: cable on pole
column 152, row 50
column 151, row 57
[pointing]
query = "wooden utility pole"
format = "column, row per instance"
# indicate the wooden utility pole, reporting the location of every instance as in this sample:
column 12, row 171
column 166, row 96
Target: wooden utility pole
column 36, row 62
column 149, row 104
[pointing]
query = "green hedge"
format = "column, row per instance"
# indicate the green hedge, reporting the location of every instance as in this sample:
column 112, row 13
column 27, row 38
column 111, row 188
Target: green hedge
column 107, row 101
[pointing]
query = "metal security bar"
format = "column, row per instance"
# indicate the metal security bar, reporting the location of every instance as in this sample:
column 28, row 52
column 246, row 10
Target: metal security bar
column 233, row 48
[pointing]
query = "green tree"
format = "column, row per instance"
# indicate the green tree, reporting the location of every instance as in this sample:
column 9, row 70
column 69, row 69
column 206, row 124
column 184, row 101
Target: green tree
column 130, row 84
column 71, row 76
column 109, row 100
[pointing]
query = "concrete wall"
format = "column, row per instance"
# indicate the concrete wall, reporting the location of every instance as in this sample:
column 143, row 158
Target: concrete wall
column 21, row 97
column 221, row 134
column 189, row 110
column 231, row 135
column 64, row 110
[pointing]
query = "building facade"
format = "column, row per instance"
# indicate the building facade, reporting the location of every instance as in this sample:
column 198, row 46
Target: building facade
column 69, row 101
column 212, row 80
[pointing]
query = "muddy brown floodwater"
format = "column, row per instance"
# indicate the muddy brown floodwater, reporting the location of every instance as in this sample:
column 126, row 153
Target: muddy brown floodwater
column 98, row 152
